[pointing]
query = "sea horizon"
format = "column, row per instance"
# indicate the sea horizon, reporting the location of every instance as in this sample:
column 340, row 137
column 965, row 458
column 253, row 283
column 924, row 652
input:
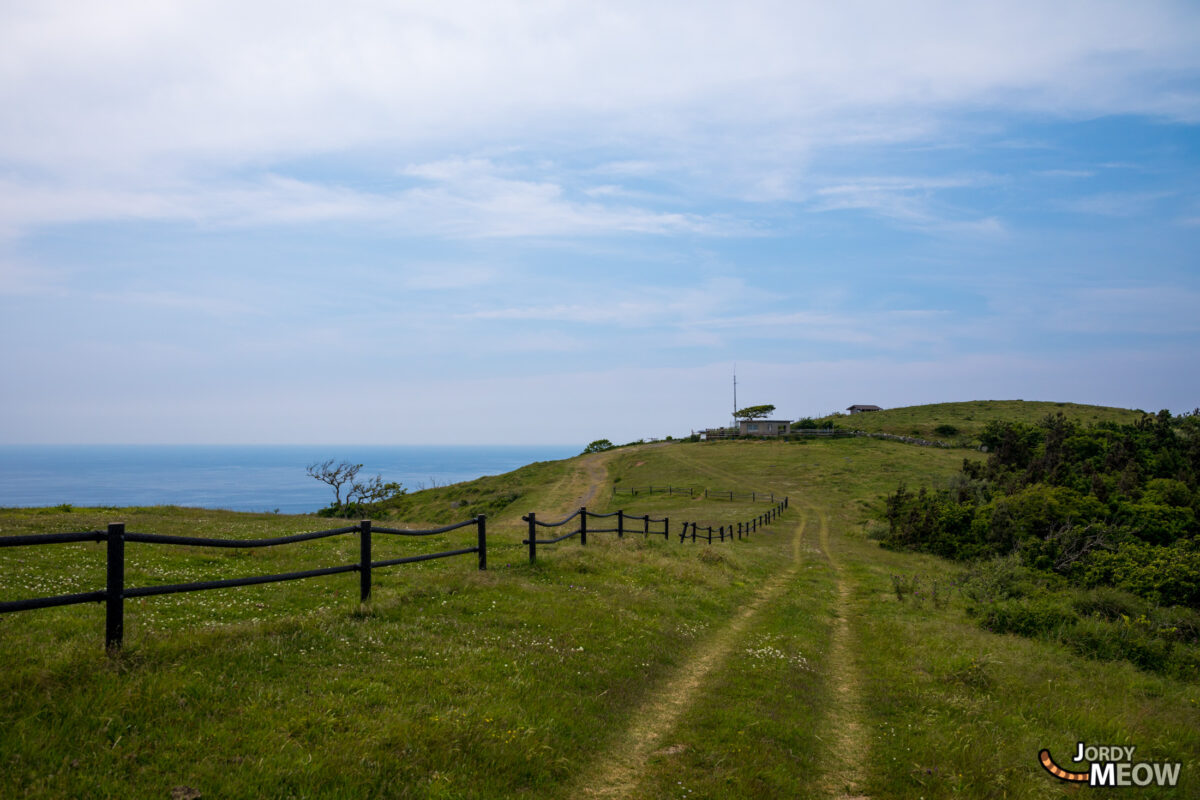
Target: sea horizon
column 236, row 477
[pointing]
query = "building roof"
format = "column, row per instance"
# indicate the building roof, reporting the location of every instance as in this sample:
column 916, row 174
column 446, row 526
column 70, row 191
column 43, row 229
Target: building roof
column 864, row 408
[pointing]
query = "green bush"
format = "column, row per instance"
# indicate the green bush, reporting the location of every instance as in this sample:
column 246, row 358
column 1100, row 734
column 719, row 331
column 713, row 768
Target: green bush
column 1042, row 617
column 1109, row 604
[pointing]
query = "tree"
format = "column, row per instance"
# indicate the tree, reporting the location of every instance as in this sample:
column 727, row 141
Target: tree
column 360, row 495
column 336, row 475
column 598, row 446
column 754, row 412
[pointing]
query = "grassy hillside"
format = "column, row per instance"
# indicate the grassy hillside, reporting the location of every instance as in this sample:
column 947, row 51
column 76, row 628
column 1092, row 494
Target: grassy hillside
column 969, row 418
column 784, row 665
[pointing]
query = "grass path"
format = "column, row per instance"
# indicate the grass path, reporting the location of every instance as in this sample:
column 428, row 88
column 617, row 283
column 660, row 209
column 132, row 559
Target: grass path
column 616, row 773
column 848, row 751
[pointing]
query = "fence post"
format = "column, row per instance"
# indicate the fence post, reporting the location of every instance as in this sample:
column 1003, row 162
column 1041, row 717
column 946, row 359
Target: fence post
column 691, row 491
column 706, row 494
column 753, row 497
column 532, row 537
column 739, row 530
column 583, row 525
column 114, row 604
column 667, row 528
column 785, row 502
column 364, row 560
column 481, row 527
column 646, row 526
column 693, row 533
column 620, row 523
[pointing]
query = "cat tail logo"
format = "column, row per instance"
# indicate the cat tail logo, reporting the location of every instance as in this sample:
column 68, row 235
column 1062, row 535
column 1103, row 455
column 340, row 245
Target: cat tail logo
column 1112, row 766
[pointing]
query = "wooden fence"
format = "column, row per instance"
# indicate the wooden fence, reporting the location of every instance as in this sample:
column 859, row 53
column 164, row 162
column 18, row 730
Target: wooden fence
column 743, row 529
column 691, row 491
column 582, row 531
column 114, row 594
column 740, row 529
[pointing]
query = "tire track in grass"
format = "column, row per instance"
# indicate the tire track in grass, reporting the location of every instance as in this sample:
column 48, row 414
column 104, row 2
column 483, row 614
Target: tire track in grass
column 616, row 773
column 848, row 749
column 583, row 484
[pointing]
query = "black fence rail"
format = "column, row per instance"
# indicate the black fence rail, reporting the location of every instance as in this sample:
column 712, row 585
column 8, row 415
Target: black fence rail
column 691, row 491
column 582, row 514
column 115, row 591
column 634, row 491
column 739, row 530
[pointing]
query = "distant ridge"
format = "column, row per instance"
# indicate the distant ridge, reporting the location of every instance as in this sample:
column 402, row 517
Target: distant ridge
column 968, row 418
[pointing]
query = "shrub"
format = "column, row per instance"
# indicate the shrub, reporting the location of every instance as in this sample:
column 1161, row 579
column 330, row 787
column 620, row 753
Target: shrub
column 1043, row 617
column 1110, row 604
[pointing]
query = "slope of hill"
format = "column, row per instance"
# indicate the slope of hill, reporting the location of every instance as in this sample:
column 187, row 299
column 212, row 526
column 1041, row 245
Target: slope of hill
column 801, row 661
column 963, row 421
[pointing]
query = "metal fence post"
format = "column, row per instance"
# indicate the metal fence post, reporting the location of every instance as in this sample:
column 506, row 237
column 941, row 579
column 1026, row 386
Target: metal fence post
column 583, row 525
column 481, row 527
column 114, row 604
column 364, row 560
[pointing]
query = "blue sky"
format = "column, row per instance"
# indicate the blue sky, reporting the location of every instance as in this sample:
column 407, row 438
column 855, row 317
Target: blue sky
column 555, row 222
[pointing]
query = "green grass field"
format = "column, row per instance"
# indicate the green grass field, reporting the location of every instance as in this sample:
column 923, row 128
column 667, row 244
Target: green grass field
column 969, row 418
column 780, row 666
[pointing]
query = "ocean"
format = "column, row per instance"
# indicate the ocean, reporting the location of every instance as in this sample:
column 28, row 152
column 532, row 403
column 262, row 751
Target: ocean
column 236, row 477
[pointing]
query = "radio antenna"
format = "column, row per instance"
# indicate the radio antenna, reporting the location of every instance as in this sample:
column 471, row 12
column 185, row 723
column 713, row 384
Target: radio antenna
column 735, row 395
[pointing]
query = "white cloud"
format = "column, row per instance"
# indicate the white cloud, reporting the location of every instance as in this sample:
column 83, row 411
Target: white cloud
column 126, row 85
column 907, row 201
column 1116, row 204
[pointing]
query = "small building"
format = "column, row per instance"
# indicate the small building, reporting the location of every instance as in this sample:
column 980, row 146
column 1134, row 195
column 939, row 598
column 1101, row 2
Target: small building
column 860, row 409
column 764, row 427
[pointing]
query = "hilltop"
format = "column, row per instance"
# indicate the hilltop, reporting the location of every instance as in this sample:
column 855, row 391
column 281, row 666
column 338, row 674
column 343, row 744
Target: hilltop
column 963, row 421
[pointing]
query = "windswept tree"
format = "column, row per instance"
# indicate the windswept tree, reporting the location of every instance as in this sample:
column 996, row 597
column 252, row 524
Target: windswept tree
column 755, row 412
column 361, row 495
column 336, row 475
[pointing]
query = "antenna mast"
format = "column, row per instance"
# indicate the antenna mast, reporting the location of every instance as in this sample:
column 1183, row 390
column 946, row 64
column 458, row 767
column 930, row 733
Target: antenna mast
column 735, row 395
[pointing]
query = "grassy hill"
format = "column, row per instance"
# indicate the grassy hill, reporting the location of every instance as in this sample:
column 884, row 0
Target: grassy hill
column 970, row 417
column 785, row 664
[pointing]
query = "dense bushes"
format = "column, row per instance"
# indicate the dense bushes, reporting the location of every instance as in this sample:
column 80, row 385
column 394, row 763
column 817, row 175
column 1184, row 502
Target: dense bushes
column 1085, row 535
column 1113, row 505
column 1109, row 624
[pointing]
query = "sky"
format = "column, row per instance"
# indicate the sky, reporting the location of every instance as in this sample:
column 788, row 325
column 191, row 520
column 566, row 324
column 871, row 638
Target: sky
column 553, row 222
